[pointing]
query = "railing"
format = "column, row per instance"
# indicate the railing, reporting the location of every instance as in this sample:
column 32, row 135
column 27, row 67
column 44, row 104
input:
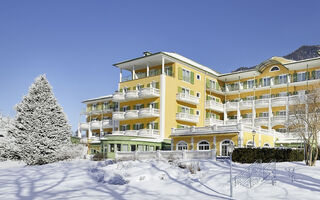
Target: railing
column 132, row 94
column 149, row 133
column 213, row 121
column 118, row 115
column 279, row 101
column 118, row 96
column 279, row 119
column 126, row 78
column 185, row 155
column 246, row 120
column 231, row 121
column 149, row 92
column 148, row 112
column 260, row 121
column 187, row 117
column 246, row 104
column 187, row 98
column 131, row 132
column 262, row 102
column 200, row 130
column 131, row 114
column 213, row 105
column 232, row 105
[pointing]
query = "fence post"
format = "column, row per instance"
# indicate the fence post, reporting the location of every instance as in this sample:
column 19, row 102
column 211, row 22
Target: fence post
column 158, row 154
column 184, row 154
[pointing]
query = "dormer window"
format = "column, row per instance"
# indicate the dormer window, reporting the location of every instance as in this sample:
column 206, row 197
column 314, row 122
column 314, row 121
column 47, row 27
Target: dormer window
column 274, row 68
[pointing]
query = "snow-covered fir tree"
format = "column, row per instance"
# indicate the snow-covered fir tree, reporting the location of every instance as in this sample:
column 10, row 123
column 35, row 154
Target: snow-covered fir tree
column 41, row 129
column 8, row 149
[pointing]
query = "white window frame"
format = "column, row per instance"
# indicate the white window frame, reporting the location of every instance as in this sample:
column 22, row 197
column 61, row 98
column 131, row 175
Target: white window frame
column 249, row 82
column 186, row 75
column 302, row 75
column 266, row 80
column 182, row 144
column 203, row 146
column 283, row 78
column 222, row 145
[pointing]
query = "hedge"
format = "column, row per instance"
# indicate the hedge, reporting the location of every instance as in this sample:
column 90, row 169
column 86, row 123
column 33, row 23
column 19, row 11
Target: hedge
column 250, row 155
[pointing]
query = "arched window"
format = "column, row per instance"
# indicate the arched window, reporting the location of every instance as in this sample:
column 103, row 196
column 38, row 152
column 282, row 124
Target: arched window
column 224, row 147
column 182, row 145
column 267, row 145
column 250, row 144
column 274, row 68
column 203, row 145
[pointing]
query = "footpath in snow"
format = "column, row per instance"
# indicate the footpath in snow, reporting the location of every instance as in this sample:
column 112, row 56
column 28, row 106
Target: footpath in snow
column 139, row 180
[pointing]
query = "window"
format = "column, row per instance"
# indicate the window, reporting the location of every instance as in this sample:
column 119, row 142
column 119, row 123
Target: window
column 118, row 147
column 168, row 70
column 281, row 113
column 301, row 76
column 125, row 127
column 138, row 106
column 250, row 83
column 186, row 75
column 249, row 144
column 125, row 108
column 248, row 98
column 264, row 114
column 265, row 81
column 198, row 112
column 281, row 130
column 198, row 94
column 141, row 147
column 233, row 86
column 203, row 145
column 182, row 145
column 154, row 72
column 125, row 147
column 185, row 91
column 282, row 79
column 317, row 74
column 138, row 87
column 274, row 68
column 138, row 126
column 198, row 77
column 211, row 84
column 185, row 109
column 224, row 147
column 105, row 105
column 94, row 106
column 111, row 147
column 125, row 89
column 141, row 75
column 133, row 147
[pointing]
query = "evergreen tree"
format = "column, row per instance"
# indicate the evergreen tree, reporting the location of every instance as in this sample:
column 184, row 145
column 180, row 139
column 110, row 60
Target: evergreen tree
column 41, row 128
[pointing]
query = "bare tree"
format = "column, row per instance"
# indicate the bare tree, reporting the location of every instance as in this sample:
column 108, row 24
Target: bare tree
column 305, row 121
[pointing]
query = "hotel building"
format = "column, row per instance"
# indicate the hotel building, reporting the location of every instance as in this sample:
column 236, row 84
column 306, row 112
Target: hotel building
column 167, row 101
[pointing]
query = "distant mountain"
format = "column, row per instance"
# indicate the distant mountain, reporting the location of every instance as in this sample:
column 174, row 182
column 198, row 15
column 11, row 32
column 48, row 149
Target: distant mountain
column 304, row 52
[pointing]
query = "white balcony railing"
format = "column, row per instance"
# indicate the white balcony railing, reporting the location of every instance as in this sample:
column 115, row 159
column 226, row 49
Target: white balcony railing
column 148, row 112
column 187, row 98
column 261, row 121
column 295, row 99
column 149, row 92
column 201, row 130
column 279, row 120
column 131, row 114
column 118, row 115
column 148, row 133
column 118, row 132
column 246, row 121
column 118, row 96
column 213, row 121
column 247, row 104
column 84, row 126
column 187, row 117
column 132, row 94
column 107, row 123
column 131, row 132
column 232, row 106
column 213, row 105
column 260, row 103
column 279, row 101
column 231, row 122
column 95, row 125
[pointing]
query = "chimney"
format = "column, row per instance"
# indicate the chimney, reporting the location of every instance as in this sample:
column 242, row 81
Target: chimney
column 147, row 53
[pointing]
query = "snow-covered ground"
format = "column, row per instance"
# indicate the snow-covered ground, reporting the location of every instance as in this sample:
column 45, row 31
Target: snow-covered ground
column 83, row 179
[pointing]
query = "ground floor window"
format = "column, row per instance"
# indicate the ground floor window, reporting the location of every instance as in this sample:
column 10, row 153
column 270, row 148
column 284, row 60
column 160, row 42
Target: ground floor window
column 118, row 147
column 224, row 147
column 111, row 147
column 203, row 145
column 133, row 147
column 140, row 147
column 125, row 147
column 182, row 145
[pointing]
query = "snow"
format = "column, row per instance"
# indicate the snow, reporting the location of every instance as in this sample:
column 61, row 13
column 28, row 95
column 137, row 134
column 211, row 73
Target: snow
column 84, row 179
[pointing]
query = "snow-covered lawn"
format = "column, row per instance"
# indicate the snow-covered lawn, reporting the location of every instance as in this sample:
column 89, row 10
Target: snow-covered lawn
column 83, row 179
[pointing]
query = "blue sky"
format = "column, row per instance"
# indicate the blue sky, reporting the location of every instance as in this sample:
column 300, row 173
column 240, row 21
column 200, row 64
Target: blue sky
column 76, row 42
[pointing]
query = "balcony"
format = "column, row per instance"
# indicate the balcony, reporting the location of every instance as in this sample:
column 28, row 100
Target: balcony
column 131, row 114
column 247, row 104
column 132, row 95
column 279, row 120
column 261, row 103
column 118, row 132
column 107, row 123
column 231, row 122
column 246, row 121
column 232, row 106
column 213, row 105
column 261, row 121
column 188, row 98
column 118, row 115
column 295, row 99
column 148, row 112
column 94, row 125
column 118, row 96
column 187, row 117
column 84, row 126
column 131, row 132
column 149, row 93
column 149, row 133
column 279, row 101
column 213, row 121
column 215, row 90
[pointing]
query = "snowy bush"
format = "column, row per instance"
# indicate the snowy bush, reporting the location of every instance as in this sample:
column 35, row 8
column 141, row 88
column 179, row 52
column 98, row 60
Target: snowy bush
column 40, row 128
column 117, row 179
column 8, row 149
column 96, row 174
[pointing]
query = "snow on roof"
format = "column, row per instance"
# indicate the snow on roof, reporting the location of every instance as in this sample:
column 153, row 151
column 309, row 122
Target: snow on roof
column 98, row 98
column 187, row 60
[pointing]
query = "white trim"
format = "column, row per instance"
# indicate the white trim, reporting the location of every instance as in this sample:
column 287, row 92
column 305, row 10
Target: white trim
column 203, row 141
column 274, row 67
column 180, row 142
